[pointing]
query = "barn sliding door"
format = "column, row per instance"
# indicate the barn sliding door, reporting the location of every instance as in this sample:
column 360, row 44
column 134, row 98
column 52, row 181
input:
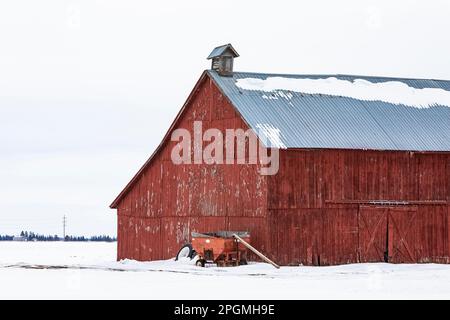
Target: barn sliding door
column 387, row 234
column 372, row 223
column 401, row 234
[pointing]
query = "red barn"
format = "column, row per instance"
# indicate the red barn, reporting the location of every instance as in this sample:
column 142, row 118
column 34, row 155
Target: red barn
column 364, row 170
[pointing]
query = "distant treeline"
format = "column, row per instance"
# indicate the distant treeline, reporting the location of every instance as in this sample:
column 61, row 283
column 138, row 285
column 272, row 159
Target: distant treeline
column 31, row 236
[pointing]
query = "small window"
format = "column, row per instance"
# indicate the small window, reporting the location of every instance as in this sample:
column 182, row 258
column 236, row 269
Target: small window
column 228, row 64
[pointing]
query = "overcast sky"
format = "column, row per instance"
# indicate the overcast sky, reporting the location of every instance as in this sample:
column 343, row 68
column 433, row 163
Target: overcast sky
column 88, row 88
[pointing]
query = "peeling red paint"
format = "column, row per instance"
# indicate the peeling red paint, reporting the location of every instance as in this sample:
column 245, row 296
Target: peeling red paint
column 318, row 209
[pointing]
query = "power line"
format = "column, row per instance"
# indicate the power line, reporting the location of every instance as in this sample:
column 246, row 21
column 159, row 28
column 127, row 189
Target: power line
column 64, row 227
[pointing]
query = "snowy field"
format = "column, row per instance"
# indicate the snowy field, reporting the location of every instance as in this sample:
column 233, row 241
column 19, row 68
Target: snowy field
column 70, row 270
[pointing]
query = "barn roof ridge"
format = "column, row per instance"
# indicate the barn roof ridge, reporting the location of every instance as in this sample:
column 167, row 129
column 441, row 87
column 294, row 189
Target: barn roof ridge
column 322, row 75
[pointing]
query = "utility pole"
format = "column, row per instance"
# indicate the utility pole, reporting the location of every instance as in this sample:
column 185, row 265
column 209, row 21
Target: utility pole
column 64, row 227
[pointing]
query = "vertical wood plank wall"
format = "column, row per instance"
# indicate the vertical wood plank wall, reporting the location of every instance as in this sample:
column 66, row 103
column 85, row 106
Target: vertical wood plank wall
column 309, row 213
column 314, row 204
column 170, row 201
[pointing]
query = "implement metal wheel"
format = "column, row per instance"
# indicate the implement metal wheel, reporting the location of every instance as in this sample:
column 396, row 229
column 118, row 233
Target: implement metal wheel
column 186, row 251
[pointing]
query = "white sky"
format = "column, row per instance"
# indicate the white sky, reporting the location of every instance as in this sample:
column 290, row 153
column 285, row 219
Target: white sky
column 88, row 88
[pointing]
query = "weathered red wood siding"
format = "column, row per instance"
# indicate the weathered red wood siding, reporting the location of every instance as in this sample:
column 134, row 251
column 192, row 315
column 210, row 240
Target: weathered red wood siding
column 168, row 201
column 315, row 211
column 319, row 211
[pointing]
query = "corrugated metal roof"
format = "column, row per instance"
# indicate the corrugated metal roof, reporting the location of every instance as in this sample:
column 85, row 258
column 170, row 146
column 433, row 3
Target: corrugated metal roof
column 218, row 51
column 322, row 121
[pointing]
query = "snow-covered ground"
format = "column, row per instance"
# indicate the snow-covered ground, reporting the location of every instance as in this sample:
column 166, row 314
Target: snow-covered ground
column 65, row 270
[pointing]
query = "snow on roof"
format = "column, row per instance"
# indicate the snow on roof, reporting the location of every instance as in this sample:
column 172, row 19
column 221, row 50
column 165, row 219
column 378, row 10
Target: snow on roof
column 342, row 111
column 268, row 132
column 394, row 92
